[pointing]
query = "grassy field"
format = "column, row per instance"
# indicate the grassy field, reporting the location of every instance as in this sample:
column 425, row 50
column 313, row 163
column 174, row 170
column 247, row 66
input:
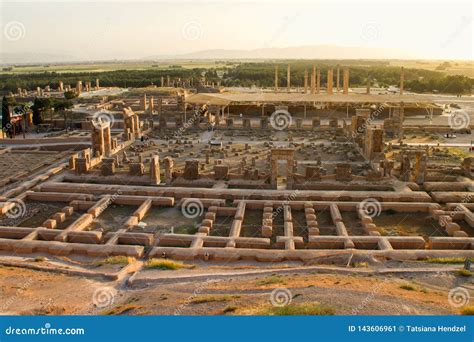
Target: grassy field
column 465, row 68
column 111, row 66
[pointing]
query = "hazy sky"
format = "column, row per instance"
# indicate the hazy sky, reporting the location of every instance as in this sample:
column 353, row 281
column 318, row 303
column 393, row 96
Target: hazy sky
column 135, row 29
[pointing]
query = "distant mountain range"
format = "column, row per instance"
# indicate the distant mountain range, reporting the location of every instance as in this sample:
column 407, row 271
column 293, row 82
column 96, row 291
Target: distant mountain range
column 297, row 52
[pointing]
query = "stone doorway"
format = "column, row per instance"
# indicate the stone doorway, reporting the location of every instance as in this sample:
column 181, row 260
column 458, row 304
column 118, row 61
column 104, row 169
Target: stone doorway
column 283, row 179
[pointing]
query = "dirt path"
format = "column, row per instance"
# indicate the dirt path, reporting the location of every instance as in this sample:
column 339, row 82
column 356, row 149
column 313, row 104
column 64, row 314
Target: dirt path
column 420, row 289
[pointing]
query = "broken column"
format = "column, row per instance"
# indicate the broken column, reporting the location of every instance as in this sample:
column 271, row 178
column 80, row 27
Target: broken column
column 169, row 164
column 191, row 169
column 143, row 102
column 405, row 167
column 155, row 170
column 420, row 167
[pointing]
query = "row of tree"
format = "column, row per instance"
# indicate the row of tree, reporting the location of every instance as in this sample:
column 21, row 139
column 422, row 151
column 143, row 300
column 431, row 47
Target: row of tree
column 261, row 74
column 118, row 78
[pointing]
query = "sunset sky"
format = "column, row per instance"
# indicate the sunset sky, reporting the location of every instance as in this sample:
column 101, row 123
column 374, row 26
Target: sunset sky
column 135, row 29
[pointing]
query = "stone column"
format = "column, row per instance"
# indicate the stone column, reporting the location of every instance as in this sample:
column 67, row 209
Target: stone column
column 329, row 82
column 318, row 81
column 288, row 78
column 136, row 126
column 162, row 81
column 306, row 81
column 98, row 139
column 338, row 79
column 151, row 105
column 405, row 168
column 169, row 164
column 97, row 84
column 107, row 140
column 346, row 81
column 61, row 86
column 79, row 87
column 313, row 80
column 155, row 170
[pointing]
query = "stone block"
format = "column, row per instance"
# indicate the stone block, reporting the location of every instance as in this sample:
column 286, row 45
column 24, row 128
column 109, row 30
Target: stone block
column 68, row 210
column 50, row 223
column 59, row 217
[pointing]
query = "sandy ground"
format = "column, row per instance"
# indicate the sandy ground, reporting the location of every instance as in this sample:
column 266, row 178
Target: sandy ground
column 232, row 290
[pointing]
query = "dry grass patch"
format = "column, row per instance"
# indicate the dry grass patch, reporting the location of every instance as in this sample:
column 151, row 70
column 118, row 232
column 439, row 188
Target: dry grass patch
column 270, row 280
column 166, row 264
column 120, row 310
column 217, row 298
column 408, row 287
column 464, row 273
column 446, row 260
column 230, row 309
column 116, row 260
column 305, row 309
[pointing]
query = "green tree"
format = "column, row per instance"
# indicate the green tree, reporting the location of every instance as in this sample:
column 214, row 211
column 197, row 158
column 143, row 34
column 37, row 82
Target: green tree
column 40, row 105
column 6, row 114
column 69, row 95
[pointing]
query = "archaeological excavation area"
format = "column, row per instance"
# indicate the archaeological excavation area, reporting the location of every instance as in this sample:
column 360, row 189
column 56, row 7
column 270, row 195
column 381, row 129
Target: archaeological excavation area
column 143, row 189
column 282, row 176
